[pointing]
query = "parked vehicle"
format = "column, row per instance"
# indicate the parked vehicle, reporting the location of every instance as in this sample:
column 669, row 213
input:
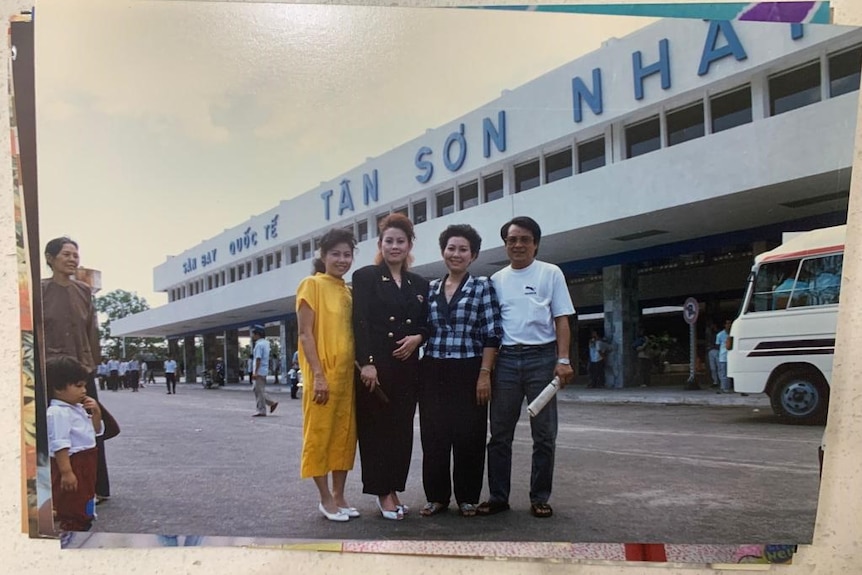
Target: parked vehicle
column 783, row 341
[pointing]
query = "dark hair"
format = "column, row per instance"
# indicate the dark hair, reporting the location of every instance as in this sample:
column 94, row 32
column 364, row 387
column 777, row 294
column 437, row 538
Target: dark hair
column 55, row 246
column 329, row 240
column 465, row 231
column 525, row 222
column 63, row 371
column 399, row 222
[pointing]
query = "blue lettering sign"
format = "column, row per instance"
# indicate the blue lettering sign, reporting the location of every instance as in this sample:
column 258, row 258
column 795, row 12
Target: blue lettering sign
column 640, row 71
column 190, row 265
column 711, row 53
column 369, row 187
column 208, row 258
column 455, row 138
column 498, row 134
column 346, row 202
column 581, row 94
column 325, row 197
column 246, row 241
column 271, row 229
column 422, row 164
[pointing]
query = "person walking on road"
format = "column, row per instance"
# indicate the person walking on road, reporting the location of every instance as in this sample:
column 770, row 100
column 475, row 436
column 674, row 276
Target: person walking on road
column 260, row 354
column 535, row 306
column 324, row 308
column 171, row 375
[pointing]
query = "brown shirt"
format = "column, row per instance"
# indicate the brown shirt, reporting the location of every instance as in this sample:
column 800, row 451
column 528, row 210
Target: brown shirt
column 70, row 325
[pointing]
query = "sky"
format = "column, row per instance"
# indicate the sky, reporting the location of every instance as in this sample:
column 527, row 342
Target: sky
column 161, row 124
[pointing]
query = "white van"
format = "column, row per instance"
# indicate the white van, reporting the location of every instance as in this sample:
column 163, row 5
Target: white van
column 783, row 341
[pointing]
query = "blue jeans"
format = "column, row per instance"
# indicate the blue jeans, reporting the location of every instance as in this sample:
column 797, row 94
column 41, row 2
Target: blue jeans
column 519, row 374
column 722, row 376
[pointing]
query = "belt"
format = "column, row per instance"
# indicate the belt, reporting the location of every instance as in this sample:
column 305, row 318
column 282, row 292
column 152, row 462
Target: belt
column 521, row 347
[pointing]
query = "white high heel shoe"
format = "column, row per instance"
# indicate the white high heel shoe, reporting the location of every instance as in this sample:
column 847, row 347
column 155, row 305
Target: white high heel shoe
column 337, row 516
column 349, row 511
column 394, row 515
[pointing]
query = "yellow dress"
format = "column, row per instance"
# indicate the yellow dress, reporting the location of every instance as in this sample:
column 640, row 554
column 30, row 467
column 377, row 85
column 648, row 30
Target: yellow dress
column 328, row 431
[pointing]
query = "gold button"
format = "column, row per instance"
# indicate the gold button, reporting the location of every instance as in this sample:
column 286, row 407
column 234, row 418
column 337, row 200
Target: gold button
column 408, row 322
column 390, row 334
column 391, row 318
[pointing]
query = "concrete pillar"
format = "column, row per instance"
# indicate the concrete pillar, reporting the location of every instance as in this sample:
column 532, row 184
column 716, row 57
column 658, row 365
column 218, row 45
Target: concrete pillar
column 291, row 342
column 282, row 345
column 189, row 359
column 211, row 351
column 620, row 294
column 231, row 355
column 174, row 347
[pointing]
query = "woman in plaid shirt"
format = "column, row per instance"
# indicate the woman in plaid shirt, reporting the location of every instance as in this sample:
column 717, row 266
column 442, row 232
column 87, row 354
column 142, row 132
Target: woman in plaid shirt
column 455, row 377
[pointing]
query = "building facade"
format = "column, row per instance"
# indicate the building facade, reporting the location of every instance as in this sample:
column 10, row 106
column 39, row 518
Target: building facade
column 657, row 166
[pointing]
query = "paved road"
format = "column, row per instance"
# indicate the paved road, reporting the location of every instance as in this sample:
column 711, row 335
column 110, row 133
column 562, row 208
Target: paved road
column 197, row 463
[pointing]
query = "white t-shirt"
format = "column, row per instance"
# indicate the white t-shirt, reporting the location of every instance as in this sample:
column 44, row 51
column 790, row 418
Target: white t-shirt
column 69, row 426
column 530, row 299
column 170, row 366
column 261, row 350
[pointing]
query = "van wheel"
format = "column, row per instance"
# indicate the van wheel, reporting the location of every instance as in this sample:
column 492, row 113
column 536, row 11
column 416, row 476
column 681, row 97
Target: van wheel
column 800, row 396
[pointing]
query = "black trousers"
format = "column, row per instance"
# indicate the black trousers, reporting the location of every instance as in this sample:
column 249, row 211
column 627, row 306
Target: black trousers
column 103, row 483
column 114, row 380
column 385, row 430
column 171, row 382
column 453, row 427
column 597, row 373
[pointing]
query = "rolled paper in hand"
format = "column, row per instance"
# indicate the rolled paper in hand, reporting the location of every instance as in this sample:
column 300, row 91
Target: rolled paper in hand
column 538, row 404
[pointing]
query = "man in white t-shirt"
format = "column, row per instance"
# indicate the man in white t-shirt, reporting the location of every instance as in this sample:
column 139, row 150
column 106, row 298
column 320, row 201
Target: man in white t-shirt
column 535, row 306
column 721, row 342
column 260, row 357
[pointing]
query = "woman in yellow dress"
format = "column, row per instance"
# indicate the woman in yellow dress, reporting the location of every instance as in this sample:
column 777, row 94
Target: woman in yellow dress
column 326, row 356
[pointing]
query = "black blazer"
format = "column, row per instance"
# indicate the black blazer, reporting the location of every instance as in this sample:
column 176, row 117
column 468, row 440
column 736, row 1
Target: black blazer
column 383, row 313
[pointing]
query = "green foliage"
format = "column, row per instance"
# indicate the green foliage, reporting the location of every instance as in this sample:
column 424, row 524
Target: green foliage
column 118, row 304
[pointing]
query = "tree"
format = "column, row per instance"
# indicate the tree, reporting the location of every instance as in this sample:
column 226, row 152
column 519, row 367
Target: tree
column 118, row 304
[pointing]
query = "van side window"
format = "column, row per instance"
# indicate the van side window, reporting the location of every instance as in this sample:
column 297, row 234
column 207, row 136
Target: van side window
column 822, row 280
column 797, row 283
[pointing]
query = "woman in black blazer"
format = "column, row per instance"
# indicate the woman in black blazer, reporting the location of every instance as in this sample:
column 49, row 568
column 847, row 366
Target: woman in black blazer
column 389, row 325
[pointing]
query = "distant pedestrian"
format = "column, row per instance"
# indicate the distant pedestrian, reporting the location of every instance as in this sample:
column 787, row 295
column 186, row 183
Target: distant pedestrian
column 598, row 352
column 721, row 342
column 134, row 374
column 260, row 353
column 102, row 373
column 113, row 374
column 641, row 346
column 171, row 375
column 712, row 355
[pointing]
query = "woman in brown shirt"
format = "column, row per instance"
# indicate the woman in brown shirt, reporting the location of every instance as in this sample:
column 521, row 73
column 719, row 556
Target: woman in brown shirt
column 70, row 327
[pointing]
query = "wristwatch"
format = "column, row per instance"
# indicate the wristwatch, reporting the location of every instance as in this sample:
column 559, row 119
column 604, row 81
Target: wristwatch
column 564, row 361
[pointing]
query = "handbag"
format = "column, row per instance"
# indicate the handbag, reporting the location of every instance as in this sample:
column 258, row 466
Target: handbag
column 110, row 425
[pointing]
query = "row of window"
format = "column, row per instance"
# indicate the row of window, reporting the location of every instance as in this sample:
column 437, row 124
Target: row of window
column 237, row 272
column 787, row 90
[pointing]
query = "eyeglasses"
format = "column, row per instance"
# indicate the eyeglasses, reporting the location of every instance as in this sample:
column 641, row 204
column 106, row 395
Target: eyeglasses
column 515, row 240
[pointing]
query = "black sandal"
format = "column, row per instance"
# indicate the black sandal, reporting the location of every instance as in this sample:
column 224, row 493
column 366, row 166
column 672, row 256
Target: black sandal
column 491, row 507
column 541, row 510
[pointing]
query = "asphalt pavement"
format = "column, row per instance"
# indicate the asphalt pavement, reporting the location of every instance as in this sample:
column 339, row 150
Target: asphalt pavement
column 658, row 464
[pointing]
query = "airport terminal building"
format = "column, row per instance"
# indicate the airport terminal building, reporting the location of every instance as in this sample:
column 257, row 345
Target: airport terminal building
column 657, row 167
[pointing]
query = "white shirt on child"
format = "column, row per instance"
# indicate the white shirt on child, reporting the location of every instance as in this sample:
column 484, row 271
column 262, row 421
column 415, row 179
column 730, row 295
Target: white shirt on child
column 69, row 426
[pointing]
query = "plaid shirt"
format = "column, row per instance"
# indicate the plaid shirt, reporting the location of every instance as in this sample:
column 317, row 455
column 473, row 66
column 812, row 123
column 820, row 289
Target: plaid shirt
column 463, row 327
